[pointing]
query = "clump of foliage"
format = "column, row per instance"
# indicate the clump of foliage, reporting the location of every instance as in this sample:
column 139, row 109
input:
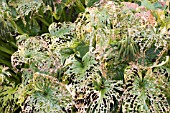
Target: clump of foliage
column 31, row 18
column 111, row 59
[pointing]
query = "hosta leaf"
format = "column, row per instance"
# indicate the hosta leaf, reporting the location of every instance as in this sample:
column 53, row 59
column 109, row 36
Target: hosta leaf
column 58, row 29
column 21, row 38
column 79, row 67
column 163, row 62
column 28, row 7
column 8, row 95
column 108, row 98
column 143, row 95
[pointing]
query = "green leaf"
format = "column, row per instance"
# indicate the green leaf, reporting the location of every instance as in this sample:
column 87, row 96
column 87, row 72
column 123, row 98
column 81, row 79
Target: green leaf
column 5, row 50
column 15, row 26
column 90, row 3
column 147, row 4
column 159, row 5
column 59, row 11
column 31, row 27
column 88, row 60
column 78, row 68
column 82, row 48
column 65, row 53
column 4, row 62
column 79, row 6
